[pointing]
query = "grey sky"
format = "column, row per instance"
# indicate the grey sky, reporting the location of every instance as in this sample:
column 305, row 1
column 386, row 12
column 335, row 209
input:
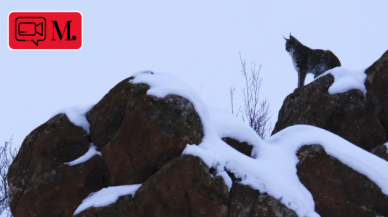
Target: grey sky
column 198, row 41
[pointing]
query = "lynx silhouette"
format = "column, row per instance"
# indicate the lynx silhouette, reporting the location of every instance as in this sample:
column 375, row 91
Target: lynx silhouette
column 307, row 60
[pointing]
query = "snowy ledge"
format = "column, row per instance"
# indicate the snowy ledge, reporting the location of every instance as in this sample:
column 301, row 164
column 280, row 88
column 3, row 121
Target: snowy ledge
column 89, row 154
column 345, row 80
column 273, row 160
column 106, row 196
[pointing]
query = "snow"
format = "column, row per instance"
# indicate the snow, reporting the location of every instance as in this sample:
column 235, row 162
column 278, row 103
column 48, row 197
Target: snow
column 227, row 125
column 345, row 80
column 77, row 115
column 272, row 167
column 106, row 196
column 89, row 154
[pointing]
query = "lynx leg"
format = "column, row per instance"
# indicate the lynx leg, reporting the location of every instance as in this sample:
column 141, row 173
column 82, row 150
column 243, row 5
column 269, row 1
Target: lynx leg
column 301, row 78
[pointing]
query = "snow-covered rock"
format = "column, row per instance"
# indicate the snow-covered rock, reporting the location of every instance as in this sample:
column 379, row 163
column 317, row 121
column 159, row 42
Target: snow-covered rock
column 151, row 147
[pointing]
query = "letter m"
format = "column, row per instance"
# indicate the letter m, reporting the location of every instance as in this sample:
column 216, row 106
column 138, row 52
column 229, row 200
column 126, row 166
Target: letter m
column 56, row 27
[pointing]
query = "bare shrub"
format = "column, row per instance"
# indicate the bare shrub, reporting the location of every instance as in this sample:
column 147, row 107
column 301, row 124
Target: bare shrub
column 7, row 155
column 255, row 112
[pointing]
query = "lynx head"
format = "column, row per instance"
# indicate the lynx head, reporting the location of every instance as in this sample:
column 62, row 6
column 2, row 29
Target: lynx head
column 291, row 43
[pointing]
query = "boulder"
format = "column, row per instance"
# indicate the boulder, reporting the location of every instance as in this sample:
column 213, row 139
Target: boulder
column 106, row 116
column 40, row 184
column 138, row 133
column 337, row 189
column 182, row 187
column 347, row 114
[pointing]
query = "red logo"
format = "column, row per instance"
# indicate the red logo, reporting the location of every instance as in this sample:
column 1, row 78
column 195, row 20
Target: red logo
column 45, row 30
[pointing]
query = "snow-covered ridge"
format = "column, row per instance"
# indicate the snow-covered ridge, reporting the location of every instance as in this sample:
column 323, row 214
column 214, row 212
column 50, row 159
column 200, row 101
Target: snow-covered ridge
column 273, row 167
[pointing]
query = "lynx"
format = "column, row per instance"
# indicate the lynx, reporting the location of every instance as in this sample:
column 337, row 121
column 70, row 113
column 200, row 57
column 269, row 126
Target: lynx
column 307, row 60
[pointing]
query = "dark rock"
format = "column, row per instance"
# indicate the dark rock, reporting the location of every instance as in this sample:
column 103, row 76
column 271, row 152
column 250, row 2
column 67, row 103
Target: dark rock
column 40, row 184
column 244, row 201
column 125, row 206
column 106, row 116
column 380, row 151
column 377, row 89
column 337, row 189
column 242, row 147
column 137, row 133
column 183, row 187
column 347, row 114
column 152, row 132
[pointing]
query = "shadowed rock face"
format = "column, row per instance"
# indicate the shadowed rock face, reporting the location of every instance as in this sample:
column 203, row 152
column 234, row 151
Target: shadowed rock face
column 183, row 187
column 40, row 184
column 137, row 133
column 245, row 202
column 337, row 189
column 106, row 116
column 347, row 114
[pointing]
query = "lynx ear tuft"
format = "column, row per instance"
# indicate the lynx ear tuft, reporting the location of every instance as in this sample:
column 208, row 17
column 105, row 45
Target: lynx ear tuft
column 285, row 38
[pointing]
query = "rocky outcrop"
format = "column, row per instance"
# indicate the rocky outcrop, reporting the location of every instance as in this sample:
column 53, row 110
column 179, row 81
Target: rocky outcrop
column 137, row 135
column 142, row 137
column 362, row 121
